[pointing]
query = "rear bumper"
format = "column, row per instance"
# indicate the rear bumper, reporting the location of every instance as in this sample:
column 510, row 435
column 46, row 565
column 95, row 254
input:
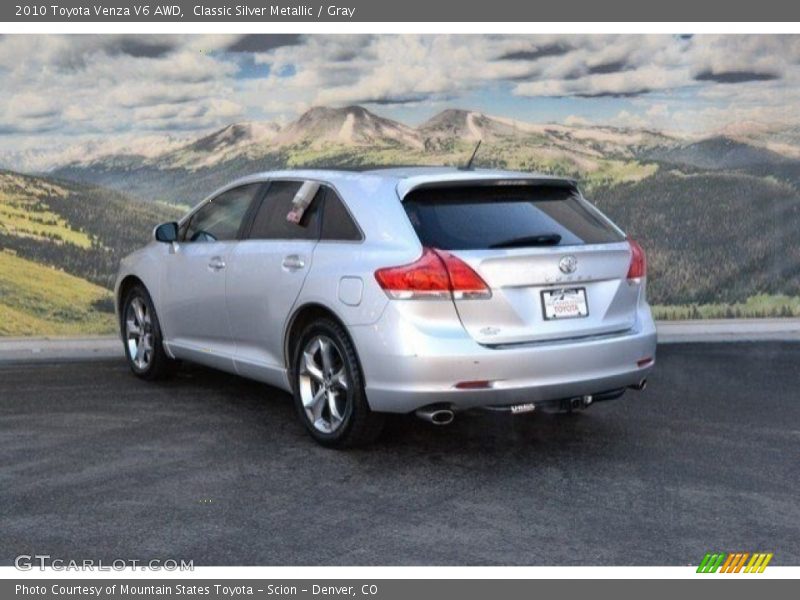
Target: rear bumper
column 407, row 366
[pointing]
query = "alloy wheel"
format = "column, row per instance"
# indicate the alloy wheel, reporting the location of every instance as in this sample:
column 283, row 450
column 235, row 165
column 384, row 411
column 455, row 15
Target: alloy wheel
column 323, row 384
column 139, row 333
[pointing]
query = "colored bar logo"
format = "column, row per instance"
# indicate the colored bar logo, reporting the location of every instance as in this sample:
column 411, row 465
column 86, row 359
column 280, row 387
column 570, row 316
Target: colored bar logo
column 734, row 562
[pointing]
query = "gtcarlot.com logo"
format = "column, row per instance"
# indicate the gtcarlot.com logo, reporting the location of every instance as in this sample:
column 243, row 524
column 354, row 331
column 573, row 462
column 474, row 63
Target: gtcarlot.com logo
column 734, row 562
column 28, row 562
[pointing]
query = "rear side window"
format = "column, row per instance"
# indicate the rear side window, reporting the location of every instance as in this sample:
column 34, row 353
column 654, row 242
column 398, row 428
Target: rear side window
column 270, row 222
column 221, row 217
column 507, row 216
column 337, row 224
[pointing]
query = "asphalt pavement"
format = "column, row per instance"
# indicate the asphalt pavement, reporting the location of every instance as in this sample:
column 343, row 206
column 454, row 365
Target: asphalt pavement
column 212, row 468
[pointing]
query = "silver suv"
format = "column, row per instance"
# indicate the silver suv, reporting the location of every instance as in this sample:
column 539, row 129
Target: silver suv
column 426, row 290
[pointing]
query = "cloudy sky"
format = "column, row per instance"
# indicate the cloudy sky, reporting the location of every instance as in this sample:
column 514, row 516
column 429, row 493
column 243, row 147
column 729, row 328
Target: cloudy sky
column 57, row 89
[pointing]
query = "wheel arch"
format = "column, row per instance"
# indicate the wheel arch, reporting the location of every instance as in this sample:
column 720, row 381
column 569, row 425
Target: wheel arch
column 125, row 285
column 301, row 317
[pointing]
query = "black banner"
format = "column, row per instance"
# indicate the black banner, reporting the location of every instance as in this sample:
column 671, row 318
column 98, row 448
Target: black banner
column 256, row 11
column 378, row 589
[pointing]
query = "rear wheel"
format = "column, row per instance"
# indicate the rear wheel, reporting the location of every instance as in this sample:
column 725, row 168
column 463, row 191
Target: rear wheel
column 329, row 390
column 141, row 333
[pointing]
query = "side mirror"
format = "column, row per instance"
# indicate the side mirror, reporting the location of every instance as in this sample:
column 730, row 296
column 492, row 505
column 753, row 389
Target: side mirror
column 166, row 232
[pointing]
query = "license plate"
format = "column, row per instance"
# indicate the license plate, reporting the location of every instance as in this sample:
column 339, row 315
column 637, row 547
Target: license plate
column 567, row 303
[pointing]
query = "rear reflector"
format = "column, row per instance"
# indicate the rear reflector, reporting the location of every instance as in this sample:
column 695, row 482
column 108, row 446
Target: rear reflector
column 638, row 266
column 644, row 362
column 473, row 385
column 436, row 274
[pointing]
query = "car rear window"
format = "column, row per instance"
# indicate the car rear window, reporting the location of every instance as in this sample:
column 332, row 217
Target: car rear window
column 480, row 217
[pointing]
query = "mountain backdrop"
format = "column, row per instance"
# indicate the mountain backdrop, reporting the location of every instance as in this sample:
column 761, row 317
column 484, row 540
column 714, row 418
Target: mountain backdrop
column 719, row 215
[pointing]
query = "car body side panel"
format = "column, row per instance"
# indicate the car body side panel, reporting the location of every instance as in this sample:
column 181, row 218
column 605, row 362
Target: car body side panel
column 261, row 292
column 193, row 303
column 337, row 269
column 340, row 267
column 146, row 265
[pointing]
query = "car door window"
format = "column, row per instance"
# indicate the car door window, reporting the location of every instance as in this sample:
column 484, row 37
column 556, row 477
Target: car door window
column 220, row 218
column 337, row 223
column 271, row 223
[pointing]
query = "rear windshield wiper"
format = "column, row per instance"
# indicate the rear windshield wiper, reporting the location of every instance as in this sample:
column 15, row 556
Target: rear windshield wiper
column 545, row 239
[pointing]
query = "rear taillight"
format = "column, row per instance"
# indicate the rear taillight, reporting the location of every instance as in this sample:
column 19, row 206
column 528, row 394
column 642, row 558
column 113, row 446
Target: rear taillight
column 436, row 274
column 638, row 266
column 465, row 283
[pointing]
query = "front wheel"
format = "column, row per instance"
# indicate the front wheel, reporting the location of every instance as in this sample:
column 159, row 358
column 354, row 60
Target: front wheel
column 329, row 390
column 141, row 333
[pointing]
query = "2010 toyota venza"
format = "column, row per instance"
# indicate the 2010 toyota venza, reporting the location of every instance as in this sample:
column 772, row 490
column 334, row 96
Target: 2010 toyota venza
column 427, row 290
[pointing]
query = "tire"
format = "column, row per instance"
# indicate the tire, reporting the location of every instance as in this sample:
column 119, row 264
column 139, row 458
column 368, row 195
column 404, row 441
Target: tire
column 332, row 404
column 144, row 351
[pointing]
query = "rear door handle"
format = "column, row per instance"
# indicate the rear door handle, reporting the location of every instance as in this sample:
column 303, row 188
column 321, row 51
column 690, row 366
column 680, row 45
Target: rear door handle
column 293, row 262
column 216, row 263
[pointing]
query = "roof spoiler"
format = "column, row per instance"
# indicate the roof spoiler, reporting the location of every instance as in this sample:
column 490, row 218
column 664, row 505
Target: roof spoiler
column 486, row 181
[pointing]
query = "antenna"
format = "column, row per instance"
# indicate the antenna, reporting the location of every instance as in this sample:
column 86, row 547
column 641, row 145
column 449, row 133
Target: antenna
column 468, row 166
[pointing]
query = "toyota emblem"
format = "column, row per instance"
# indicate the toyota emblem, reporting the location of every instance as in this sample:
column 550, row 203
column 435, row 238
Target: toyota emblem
column 568, row 264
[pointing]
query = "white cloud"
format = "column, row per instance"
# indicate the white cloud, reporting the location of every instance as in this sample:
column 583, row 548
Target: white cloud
column 106, row 84
column 389, row 68
column 113, row 85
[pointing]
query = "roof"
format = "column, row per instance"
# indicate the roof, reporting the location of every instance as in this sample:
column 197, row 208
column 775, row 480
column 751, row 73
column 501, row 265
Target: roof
column 405, row 179
column 361, row 189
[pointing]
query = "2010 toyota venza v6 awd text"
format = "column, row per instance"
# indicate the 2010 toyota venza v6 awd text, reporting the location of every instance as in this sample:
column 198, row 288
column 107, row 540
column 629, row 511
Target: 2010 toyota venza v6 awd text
column 427, row 290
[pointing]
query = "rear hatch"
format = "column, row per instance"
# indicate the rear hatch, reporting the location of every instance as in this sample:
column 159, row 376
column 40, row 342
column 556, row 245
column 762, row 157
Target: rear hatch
column 557, row 268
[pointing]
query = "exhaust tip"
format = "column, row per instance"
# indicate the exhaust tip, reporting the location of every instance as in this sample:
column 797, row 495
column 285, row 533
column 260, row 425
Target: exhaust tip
column 641, row 386
column 442, row 417
column 437, row 416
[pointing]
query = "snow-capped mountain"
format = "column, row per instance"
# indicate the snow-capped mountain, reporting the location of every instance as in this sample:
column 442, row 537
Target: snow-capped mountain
column 351, row 126
column 320, row 127
column 590, row 140
column 184, row 171
column 471, row 126
column 238, row 139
